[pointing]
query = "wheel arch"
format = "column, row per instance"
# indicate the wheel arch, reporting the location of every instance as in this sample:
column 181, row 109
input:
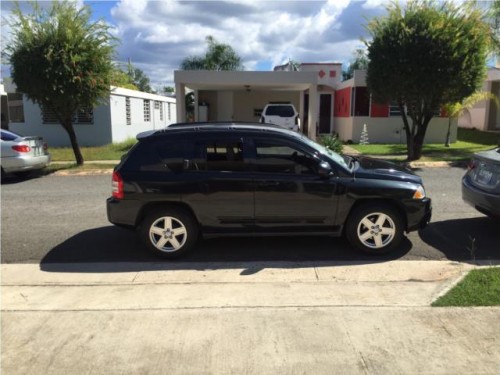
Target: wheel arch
column 154, row 206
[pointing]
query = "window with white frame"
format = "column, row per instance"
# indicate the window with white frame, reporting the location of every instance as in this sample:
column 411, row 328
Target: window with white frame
column 147, row 110
column 169, row 112
column 127, row 111
column 161, row 111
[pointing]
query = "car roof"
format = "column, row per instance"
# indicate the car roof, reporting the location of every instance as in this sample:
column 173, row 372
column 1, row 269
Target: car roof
column 214, row 126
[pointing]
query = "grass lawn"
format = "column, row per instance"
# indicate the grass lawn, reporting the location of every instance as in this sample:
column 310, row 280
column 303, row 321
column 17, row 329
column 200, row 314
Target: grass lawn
column 108, row 152
column 479, row 288
column 468, row 142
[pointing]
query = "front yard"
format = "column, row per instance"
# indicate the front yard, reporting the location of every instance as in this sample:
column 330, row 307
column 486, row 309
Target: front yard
column 468, row 142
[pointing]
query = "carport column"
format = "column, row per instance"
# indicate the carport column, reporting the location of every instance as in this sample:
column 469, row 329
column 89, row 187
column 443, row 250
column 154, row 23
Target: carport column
column 196, row 107
column 313, row 112
column 180, row 96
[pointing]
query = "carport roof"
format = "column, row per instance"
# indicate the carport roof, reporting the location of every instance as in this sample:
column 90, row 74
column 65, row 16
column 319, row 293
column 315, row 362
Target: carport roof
column 243, row 80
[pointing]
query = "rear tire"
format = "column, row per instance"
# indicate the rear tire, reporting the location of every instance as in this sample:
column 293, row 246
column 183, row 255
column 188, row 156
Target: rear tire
column 375, row 228
column 169, row 232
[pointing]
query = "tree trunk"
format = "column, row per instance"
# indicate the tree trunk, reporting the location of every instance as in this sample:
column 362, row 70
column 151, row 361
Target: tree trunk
column 448, row 134
column 68, row 126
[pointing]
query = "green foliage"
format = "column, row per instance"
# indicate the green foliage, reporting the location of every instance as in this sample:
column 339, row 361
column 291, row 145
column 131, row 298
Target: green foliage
column 121, row 79
column 140, row 80
column 359, row 61
column 479, row 288
column 424, row 56
column 332, row 142
column 61, row 60
column 218, row 57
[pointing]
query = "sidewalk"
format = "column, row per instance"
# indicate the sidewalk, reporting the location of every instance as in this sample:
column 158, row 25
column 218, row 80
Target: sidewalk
column 248, row 318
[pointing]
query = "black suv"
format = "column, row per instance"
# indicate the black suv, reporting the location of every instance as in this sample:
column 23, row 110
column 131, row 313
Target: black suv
column 219, row 179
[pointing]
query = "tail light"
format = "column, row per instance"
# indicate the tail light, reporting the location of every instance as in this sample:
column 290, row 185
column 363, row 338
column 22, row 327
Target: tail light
column 21, row 148
column 45, row 146
column 117, row 186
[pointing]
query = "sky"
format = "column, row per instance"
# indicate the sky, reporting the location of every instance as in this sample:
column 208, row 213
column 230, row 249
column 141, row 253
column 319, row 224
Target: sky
column 157, row 35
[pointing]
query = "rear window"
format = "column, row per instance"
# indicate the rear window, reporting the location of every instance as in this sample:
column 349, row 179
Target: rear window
column 9, row 136
column 280, row 110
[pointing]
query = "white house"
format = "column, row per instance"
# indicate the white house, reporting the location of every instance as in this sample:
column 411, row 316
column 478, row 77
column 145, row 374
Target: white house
column 125, row 114
column 316, row 90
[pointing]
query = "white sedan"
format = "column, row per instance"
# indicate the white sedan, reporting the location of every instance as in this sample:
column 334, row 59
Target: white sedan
column 22, row 154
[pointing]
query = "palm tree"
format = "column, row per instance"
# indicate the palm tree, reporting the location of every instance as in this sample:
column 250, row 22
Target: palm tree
column 218, row 57
column 455, row 110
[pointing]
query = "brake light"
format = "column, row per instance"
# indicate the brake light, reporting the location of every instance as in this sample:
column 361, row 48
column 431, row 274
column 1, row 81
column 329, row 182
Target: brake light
column 45, row 146
column 117, row 186
column 471, row 165
column 21, row 148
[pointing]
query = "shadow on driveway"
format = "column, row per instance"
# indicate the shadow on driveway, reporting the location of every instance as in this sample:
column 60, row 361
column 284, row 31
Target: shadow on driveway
column 112, row 249
column 465, row 239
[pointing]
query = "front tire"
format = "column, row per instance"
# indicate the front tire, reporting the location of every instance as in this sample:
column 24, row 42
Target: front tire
column 169, row 232
column 375, row 228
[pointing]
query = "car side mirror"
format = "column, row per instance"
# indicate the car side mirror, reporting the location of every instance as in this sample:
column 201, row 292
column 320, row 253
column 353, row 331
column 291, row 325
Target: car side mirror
column 325, row 169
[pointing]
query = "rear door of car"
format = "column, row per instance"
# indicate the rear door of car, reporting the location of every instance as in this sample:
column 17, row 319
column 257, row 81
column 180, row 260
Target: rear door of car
column 290, row 195
column 280, row 114
column 218, row 183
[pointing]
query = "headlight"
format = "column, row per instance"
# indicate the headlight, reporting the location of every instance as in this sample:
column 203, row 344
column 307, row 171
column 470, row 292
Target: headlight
column 419, row 193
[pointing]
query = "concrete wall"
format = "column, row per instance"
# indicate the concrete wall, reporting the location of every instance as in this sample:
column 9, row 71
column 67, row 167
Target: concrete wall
column 390, row 130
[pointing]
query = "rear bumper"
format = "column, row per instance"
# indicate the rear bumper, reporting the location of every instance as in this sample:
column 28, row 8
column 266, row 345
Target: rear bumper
column 486, row 203
column 123, row 212
column 25, row 163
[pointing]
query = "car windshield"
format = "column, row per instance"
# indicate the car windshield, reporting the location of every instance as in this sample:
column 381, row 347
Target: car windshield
column 9, row 136
column 339, row 159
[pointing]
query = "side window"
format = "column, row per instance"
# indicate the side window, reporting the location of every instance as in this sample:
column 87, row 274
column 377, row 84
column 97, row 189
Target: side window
column 223, row 156
column 158, row 156
column 273, row 157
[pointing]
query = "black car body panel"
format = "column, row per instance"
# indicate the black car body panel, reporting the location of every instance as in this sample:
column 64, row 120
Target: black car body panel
column 241, row 179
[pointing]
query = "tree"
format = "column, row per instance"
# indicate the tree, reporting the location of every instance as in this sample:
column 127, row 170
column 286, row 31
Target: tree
column 494, row 16
column 455, row 110
column 168, row 89
column 425, row 56
column 121, row 79
column 359, row 61
column 140, row 79
column 61, row 61
column 218, row 57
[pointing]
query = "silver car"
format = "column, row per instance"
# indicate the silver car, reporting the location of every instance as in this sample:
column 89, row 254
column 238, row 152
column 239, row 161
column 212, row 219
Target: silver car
column 481, row 183
column 22, row 154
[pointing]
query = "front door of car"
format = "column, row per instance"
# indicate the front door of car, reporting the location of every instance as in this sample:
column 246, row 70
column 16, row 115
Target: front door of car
column 220, row 186
column 290, row 194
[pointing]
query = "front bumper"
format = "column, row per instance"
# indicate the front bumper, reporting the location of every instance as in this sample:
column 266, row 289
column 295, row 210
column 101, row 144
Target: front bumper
column 419, row 214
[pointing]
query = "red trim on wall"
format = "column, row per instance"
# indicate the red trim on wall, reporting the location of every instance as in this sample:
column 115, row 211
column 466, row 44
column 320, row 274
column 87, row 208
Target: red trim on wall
column 379, row 110
column 342, row 106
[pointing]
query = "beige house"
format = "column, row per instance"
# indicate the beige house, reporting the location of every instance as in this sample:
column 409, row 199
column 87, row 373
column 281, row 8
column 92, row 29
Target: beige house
column 242, row 95
column 485, row 115
column 325, row 104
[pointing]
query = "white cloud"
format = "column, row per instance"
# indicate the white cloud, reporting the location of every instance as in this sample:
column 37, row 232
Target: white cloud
column 158, row 35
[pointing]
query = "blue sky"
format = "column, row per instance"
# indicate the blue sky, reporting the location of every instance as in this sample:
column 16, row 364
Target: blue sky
column 157, row 35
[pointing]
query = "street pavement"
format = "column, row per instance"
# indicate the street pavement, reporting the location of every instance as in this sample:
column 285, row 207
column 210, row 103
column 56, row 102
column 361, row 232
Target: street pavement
column 79, row 297
column 254, row 318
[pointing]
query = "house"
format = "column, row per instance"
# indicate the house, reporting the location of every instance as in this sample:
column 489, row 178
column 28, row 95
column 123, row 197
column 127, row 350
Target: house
column 485, row 115
column 125, row 114
column 316, row 90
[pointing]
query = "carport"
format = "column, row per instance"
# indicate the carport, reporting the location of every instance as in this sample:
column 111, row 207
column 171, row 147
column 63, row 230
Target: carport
column 241, row 95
